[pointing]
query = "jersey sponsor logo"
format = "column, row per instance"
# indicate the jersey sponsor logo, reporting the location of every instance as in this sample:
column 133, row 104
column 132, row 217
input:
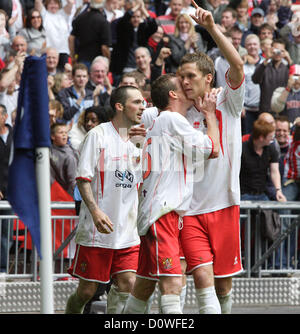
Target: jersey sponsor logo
column 123, row 176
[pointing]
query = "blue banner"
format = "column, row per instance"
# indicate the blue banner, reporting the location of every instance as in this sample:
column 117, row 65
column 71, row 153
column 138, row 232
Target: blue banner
column 32, row 130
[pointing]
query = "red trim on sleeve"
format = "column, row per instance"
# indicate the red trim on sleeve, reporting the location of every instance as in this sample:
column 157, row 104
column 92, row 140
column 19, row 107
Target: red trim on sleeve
column 219, row 118
column 102, row 170
column 228, row 83
column 83, row 178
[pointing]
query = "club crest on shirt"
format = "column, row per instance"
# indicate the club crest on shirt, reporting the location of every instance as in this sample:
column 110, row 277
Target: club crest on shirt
column 196, row 125
column 167, row 263
column 83, row 266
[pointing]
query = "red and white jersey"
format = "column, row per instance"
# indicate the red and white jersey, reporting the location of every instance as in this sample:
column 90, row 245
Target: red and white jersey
column 292, row 161
column 113, row 167
column 220, row 186
column 172, row 151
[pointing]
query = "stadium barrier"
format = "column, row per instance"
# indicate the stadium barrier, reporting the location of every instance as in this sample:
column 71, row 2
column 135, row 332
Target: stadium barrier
column 271, row 268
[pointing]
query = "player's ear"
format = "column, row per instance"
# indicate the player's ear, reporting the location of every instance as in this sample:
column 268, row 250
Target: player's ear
column 208, row 78
column 119, row 106
column 172, row 94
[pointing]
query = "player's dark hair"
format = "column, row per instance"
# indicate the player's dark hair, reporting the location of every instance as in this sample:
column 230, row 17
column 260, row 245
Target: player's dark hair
column 160, row 89
column 120, row 95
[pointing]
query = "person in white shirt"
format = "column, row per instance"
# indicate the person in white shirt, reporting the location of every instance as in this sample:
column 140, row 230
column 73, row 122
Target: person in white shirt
column 172, row 154
column 56, row 24
column 108, row 176
column 210, row 237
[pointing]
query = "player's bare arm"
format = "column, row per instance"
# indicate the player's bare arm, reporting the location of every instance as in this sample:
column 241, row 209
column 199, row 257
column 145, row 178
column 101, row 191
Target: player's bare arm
column 205, row 19
column 207, row 105
column 101, row 220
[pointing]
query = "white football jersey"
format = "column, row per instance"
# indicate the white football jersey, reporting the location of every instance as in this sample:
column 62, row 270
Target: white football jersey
column 113, row 167
column 171, row 153
column 220, row 187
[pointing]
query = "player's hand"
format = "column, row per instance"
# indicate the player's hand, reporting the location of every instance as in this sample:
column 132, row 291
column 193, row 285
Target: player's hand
column 207, row 105
column 102, row 222
column 137, row 135
column 202, row 17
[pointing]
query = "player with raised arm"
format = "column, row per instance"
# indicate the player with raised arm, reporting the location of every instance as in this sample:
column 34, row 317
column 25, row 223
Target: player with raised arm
column 210, row 236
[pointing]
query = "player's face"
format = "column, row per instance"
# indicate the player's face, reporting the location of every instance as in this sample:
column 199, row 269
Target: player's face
column 182, row 98
column 134, row 107
column 192, row 80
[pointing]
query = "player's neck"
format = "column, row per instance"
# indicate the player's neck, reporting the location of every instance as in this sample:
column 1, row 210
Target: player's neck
column 122, row 127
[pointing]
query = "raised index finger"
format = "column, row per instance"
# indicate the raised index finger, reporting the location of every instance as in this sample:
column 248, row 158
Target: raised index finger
column 194, row 4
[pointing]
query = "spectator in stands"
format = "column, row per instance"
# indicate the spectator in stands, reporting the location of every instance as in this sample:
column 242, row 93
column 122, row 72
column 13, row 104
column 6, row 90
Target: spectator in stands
column 137, row 79
column 9, row 84
column 144, row 65
column 252, row 90
column 282, row 135
column 92, row 31
column 292, row 165
column 55, row 21
column 270, row 74
column 185, row 40
column 77, row 97
column 111, row 10
column 34, row 33
column 6, row 35
column 271, row 13
column 17, row 10
column 257, row 157
column 266, row 46
column 216, row 7
column 291, row 190
column 228, row 19
column 56, row 83
column 56, row 111
column 99, row 81
column 168, row 21
column 286, row 100
column 88, row 119
column 132, row 31
column 241, row 8
column 6, row 137
column 156, row 42
column 291, row 35
column 266, row 31
column 52, row 59
column 63, row 158
column 256, row 21
column 19, row 44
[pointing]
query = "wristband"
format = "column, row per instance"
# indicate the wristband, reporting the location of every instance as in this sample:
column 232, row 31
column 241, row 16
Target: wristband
column 278, row 189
